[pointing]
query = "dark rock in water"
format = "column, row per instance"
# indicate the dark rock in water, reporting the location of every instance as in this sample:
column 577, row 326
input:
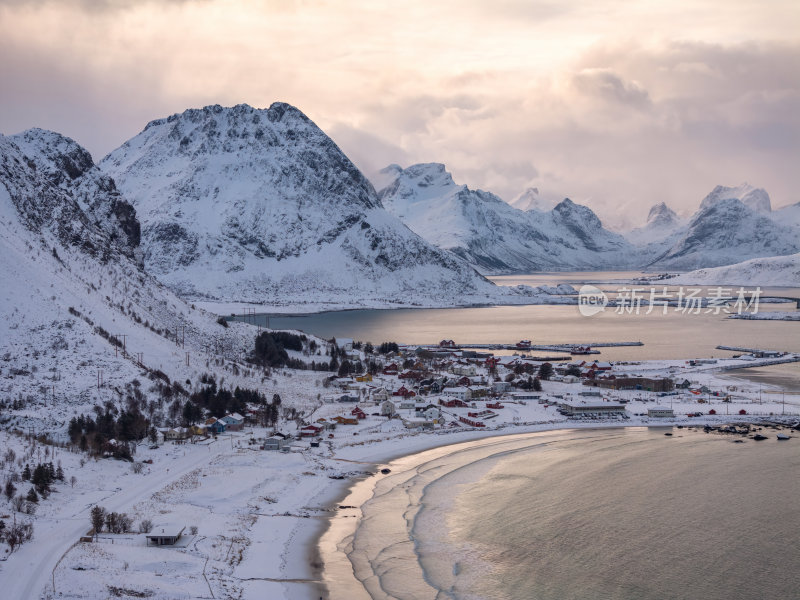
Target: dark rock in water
column 758, row 437
column 667, row 434
column 386, row 471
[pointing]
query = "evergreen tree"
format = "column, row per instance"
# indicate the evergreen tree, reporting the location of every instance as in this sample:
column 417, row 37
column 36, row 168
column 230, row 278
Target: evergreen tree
column 10, row 490
column 26, row 473
column 546, row 371
column 32, row 496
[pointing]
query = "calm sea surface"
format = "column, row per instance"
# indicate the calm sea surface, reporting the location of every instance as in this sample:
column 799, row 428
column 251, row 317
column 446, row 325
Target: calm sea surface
column 665, row 336
column 584, row 514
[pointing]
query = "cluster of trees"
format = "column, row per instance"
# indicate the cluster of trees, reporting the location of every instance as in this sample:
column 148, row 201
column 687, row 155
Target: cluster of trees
column 384, row 348
column 218, row 401
column 15, row 534
column 93, row 434
column 42, row 477
column 271, row 349
column 112, row 521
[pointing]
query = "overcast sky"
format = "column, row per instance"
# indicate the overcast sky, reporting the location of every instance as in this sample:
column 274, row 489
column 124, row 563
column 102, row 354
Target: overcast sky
column 617, row 104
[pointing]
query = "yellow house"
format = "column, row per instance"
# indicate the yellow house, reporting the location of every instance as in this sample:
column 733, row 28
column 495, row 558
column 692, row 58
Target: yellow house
column 363, row 378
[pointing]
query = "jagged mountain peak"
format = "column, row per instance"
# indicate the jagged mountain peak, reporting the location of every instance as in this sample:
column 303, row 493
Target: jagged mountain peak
column 578, row 214
column 661, row 216
column 752, row 197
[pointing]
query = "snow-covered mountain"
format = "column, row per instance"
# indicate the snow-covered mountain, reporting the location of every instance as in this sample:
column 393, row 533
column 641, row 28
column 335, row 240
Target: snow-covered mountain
column 776, row 271
column 662, row 224
column 493, row 235
column 245, row 204
column 726, row 231
column 755, row 198
column 73, row 287
column 661, row 217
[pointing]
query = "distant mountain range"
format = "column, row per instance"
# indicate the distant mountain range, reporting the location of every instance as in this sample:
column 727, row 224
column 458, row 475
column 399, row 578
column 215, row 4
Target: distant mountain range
column 731, row 225
column 494, row 236
column 259, row 205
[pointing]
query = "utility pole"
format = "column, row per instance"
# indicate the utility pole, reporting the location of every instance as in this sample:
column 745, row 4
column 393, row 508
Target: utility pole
column 187, row 359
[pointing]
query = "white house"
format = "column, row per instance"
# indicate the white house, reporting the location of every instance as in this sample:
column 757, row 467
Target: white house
column 459, row 393
column 388, row 409
column 464, row 370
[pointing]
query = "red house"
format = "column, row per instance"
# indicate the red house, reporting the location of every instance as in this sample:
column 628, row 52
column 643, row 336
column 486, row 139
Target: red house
column 310, row 431
column 452, row 402
column 404, row 392
column 410, row 375
column 358, row 413
column 390, row 369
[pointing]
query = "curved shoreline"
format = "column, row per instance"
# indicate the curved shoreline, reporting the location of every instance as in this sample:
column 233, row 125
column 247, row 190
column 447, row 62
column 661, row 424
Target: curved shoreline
column 338, row 576
column 337, row 567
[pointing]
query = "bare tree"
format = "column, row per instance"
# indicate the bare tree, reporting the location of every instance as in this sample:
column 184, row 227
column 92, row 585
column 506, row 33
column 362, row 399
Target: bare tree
column 145, row 526
column 18, row 503
column 98, row 517
column 73, row 480
column 17, row 534
column 137, row 467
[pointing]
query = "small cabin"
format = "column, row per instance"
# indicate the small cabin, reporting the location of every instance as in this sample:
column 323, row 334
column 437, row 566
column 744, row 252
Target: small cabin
column 165, row 535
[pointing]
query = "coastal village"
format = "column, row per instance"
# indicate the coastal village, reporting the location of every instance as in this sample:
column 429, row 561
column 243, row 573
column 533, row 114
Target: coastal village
column 235, row 507
column 445, row 387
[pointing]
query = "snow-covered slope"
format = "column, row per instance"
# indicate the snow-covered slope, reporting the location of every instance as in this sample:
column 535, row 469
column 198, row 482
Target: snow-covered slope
column 493, row 235
column 788, row 215
column 777, row 271
column 244, row 204
column 726, row 231
column 73, row 287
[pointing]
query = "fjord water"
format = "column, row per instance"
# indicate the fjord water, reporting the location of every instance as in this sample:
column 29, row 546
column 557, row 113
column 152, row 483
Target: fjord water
column 621, row 514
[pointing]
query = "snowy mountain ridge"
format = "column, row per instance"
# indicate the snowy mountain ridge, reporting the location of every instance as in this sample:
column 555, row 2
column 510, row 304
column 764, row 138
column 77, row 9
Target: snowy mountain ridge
column 492, row 235
column 722, row 232
column 754, row 198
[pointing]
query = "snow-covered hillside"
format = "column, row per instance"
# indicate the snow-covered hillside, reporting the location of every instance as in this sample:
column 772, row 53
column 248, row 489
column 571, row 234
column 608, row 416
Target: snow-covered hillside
column 74, row 292
column 259, row 205
column 777, row 271
column 491, row 234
